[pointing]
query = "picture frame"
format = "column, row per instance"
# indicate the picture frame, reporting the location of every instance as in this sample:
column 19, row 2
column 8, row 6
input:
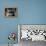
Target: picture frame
column 11, row 12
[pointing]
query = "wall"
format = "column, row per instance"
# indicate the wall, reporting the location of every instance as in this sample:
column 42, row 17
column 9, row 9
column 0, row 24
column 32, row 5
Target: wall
column 29, row 12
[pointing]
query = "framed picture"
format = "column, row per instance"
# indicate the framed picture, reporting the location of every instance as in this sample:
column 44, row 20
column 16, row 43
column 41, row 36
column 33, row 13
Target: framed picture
column 11, row 12
column 32, row 32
